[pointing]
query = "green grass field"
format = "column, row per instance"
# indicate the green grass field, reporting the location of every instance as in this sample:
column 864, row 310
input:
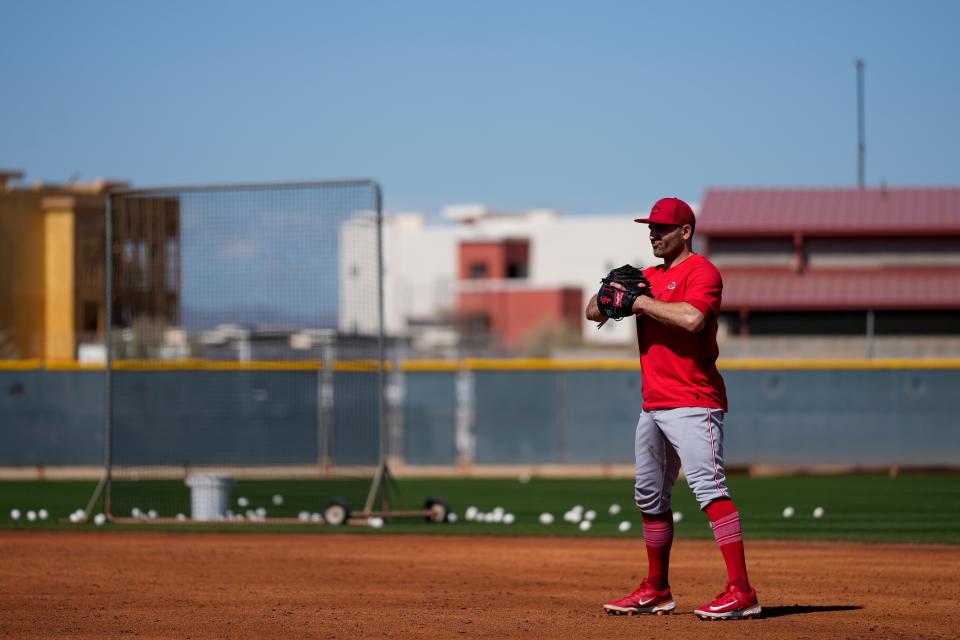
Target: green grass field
column 908, row 508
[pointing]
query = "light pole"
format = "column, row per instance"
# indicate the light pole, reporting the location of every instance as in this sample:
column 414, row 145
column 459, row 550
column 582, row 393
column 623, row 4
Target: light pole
column 861, row 129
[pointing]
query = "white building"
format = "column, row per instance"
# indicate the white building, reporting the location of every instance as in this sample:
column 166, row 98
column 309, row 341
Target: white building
column 421, row 259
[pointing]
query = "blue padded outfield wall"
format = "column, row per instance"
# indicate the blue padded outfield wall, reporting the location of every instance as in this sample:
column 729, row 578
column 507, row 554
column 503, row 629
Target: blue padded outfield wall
column 863, row 415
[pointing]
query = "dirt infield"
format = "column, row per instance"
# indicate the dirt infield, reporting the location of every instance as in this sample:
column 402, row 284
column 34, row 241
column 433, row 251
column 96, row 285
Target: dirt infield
column 113, row 584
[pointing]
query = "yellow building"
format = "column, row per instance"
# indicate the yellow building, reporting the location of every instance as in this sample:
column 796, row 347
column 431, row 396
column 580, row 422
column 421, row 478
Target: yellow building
column 52, row 266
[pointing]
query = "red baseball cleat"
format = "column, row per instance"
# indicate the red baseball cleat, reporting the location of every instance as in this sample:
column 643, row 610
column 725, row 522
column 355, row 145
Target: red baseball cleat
column 731, row 604
column 645, row 599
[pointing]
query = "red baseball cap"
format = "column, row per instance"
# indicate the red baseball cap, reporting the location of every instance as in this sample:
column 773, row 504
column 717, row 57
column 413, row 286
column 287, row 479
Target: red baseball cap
column 670, row 211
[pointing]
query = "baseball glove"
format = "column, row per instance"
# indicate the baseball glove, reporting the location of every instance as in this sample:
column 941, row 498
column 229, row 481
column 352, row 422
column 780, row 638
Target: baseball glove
column 616, row 303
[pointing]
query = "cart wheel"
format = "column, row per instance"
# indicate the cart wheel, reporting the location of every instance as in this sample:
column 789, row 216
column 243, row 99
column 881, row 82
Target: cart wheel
column 335, row 511
column 438, row 508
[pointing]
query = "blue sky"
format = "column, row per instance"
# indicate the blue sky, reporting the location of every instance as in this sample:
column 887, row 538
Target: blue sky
column 584, row 107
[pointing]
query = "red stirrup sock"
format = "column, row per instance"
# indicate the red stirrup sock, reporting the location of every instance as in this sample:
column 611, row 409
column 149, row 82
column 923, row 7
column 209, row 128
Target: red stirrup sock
column 725, row 522
column 658, row 536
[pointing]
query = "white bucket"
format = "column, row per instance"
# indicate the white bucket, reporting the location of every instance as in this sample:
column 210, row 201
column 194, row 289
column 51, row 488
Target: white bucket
column 209, row 495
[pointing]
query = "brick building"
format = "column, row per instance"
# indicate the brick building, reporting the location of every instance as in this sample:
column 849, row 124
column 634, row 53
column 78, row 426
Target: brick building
column 841, row 261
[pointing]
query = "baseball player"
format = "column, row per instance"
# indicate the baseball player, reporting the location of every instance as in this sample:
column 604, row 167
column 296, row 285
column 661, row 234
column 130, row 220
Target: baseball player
column 684, row 401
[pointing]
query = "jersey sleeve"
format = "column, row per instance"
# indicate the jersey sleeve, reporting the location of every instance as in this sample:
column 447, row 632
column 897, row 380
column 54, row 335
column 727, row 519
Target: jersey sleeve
column 704, row 289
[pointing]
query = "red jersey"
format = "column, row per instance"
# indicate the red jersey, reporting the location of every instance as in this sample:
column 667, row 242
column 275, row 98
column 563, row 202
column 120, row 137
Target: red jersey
column 680, row 368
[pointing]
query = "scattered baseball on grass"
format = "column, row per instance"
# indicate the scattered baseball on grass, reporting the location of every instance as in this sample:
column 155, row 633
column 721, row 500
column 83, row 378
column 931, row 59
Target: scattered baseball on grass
column 152, row 514
column 677, row 516
column 470, row 513
column 624, row 526
column 261, row 512
column 242, row 502
column 451, row 517
column 585, row 525
column 546, row 518
column 277, row 500
column 509, row 518
column 31, row 515
column 375, row 522
column 15, row 514
column 523, row 478
column 42, row 514
column 590, row 515
column 303, row 516
column 99, row 519
column 818, row 512
column 73, row 517
column 316, row 517
column 136, row 513
column 788, row 512
column 181, row 517
column 614, row 509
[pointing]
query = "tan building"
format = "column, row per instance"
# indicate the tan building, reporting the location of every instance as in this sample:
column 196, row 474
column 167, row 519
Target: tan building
column 52, row 265
column 51, row 248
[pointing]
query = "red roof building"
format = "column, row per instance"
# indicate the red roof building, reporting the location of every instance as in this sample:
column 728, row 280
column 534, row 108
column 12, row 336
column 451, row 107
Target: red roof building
column 890, row 251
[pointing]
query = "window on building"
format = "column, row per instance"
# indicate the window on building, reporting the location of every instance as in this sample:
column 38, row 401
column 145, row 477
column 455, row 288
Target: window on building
column 516, row 270
column 477, row 270
column 91, row 316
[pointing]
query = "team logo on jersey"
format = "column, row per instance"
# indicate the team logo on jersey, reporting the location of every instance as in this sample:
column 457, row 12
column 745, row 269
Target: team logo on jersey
column 672, row 286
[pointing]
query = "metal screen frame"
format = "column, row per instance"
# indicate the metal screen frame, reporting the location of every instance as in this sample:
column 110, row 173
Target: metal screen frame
column 106, row 482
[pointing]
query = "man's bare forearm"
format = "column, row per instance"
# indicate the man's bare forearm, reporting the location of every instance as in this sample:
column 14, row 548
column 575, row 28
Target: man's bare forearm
column 676, row 314
column 593, row 311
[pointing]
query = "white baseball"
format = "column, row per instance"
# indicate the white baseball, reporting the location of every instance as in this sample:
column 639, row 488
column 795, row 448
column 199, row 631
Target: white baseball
column 375, row 522
column 181, row 517
column 470, row 513
column 509, row 518
column 614, row 509
column 42, row 514
column 523, row 478
column 152, row 514
column 242, row 502
column 788, row 512
column 451, row 517
column 99, row 519
column 31, row 515
column 277, row 500
column 818, row 512
column 677, row 516
column 546, row 518
column 590, row 515
column 136, row 513
column 15, row 514
column 624, row 526
column 585, row 525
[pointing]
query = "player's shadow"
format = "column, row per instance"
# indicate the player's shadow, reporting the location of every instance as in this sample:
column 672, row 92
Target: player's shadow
column 796, row 609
